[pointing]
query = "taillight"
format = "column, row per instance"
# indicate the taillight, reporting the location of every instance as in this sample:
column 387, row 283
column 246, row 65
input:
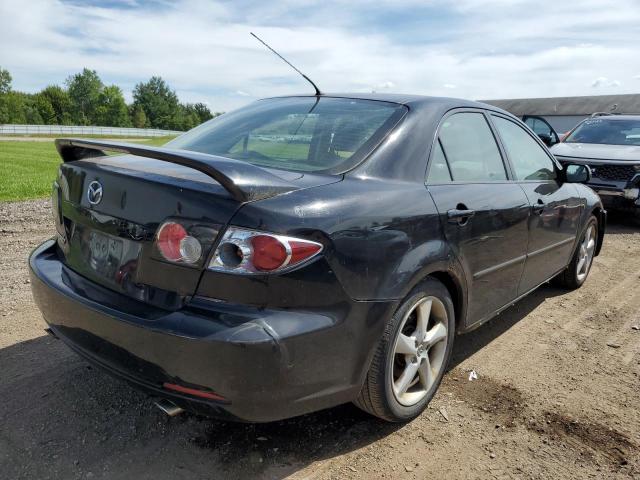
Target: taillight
column 248, row 251
column 176, row 245
column 269, row 253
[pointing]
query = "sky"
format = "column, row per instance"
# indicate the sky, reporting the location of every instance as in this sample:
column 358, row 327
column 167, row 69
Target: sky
column 477, row 49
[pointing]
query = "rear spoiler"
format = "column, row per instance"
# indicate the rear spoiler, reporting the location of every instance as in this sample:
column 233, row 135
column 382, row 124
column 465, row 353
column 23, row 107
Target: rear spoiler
column 244, row 181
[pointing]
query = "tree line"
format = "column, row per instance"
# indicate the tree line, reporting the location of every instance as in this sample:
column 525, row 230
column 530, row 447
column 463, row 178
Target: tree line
column 86, row 100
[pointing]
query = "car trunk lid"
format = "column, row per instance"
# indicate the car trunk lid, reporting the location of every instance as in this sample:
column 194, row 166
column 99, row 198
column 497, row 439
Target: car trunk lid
column 111, row 239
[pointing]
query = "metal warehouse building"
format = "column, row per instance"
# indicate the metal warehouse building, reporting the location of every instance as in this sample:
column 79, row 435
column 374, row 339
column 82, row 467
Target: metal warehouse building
column 563, row 113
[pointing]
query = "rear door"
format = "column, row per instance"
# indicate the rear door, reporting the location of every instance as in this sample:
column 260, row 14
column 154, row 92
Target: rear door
column 555, row 207
column 484, row 214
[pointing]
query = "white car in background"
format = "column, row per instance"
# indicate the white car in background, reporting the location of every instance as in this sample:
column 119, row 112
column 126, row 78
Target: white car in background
column 610, row 146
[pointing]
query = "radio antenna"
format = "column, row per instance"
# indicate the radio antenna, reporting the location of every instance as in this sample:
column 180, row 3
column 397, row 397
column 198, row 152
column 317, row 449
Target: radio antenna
column 318, row 92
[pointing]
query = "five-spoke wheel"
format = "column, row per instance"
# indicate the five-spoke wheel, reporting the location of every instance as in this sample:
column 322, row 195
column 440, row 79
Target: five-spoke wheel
column 412, row 355
column 419, row 350
column 586, row 250
column 578, row 269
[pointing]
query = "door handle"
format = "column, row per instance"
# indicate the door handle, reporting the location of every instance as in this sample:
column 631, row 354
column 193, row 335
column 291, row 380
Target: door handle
column 460, row 215
column 538, row 208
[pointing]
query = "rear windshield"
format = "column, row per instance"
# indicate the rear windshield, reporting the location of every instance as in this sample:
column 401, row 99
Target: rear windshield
column 309, row 134
column 606, row 131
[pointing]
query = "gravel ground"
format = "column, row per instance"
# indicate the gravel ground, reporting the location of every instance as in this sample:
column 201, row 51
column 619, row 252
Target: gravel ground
column 556, row 396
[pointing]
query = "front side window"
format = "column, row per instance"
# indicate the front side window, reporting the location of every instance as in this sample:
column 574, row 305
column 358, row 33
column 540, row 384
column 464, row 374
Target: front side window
column 529, row 159
column 471, row 149
column 307, row 134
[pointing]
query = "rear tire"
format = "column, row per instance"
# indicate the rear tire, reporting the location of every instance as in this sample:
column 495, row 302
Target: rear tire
column 412, row 355
column 578, row 270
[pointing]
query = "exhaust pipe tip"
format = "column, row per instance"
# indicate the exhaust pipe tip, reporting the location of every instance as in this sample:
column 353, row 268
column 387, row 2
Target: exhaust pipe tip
column 168, row 407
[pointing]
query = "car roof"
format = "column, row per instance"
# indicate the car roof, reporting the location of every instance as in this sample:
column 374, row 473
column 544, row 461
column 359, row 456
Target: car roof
column 407, row 99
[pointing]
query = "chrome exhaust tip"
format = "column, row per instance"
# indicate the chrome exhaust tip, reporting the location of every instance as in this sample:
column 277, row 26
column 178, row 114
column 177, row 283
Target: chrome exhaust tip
column 168, row 407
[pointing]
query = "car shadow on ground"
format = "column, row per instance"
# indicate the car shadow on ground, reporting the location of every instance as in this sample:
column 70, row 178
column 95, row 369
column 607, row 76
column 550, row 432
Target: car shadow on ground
column 469, row 343
column 622, row 222
column 77, row 419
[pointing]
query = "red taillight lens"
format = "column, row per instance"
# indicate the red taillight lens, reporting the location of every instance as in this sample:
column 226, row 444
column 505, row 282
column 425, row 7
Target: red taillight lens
column 248, row 251
column 176, row 245
column 301, row 251
column 269, row 253
column 169, row 238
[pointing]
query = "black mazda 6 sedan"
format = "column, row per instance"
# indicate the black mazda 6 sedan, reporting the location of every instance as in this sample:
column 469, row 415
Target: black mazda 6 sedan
column 307, row 251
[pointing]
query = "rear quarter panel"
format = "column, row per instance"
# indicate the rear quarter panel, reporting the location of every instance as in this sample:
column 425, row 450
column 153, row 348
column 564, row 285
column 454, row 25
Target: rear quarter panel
column 381, row 237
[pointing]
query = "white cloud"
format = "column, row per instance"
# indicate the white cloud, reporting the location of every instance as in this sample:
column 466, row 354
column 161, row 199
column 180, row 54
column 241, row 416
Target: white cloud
column 386, row 85
column 599, row 81
column 485, row 48
column 605, row 82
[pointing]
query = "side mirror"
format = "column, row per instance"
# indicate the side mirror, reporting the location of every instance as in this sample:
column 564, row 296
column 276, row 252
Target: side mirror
column 574, row 173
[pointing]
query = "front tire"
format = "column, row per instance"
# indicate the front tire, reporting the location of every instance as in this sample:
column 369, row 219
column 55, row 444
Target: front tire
column 412, row 356
column 577, row 271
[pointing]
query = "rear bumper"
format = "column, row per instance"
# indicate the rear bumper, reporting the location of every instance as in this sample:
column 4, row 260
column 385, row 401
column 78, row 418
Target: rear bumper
column 268, row 364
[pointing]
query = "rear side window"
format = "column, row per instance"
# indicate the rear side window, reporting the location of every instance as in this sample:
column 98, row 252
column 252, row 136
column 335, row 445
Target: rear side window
column 306, row 134
column 438, row 171
column 529, row 159
column 471, row 149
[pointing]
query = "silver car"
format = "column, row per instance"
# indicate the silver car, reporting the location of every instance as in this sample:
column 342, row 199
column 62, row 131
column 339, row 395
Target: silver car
column 610, row 145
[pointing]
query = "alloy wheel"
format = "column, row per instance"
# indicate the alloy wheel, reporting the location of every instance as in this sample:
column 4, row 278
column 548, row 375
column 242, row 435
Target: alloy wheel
column 585, row 254
column 419, row 350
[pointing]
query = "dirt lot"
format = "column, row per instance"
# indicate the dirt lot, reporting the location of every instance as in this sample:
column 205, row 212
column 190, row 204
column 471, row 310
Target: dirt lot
column 557, row 396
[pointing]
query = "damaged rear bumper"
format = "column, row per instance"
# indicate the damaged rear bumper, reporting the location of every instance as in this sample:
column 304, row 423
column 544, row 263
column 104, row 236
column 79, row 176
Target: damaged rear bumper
column 266, row 364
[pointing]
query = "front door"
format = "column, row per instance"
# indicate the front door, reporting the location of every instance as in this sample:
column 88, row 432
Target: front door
column 542, row 128
column 555, row 207
column 483, row 213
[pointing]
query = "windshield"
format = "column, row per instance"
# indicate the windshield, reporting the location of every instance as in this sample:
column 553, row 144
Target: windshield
column 309, row 134
column 608, row 131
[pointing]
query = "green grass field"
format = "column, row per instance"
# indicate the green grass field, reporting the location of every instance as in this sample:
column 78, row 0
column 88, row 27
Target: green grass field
column 27, row 169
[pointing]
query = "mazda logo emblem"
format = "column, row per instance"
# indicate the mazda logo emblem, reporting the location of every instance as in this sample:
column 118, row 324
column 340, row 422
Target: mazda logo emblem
column 94, row 192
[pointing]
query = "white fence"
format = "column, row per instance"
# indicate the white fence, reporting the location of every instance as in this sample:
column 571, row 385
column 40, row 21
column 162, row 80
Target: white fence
column 73, row 130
